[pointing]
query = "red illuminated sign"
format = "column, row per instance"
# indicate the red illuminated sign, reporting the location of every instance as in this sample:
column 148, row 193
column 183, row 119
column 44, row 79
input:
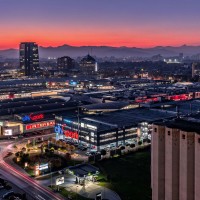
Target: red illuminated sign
column 40, row 125
column 36, row 117
column 68, row 133
column 71, row 134
column 32, row 117
column 178, row 97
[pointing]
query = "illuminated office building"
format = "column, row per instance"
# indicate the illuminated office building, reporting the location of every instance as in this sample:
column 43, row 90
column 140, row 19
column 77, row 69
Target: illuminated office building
column 29, row 58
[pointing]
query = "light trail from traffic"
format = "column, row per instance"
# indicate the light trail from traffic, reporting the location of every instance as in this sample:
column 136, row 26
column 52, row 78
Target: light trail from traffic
column 29, row 180
column 20, row 175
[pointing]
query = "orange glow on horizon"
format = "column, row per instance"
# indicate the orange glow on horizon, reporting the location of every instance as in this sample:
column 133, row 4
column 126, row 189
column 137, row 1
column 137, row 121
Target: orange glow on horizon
column 99, row 23
column 15, row 45
column 79, row 37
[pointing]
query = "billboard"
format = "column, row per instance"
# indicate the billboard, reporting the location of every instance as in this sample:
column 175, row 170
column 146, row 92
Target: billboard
column 59, row 129
column 60, row 180
column 32, row 117
column 40, row 125
column 42, row 167
column 8, row 132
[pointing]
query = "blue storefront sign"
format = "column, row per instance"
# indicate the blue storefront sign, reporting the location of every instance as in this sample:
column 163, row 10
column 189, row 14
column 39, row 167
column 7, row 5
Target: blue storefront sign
column 58, row 129
column 26, row 118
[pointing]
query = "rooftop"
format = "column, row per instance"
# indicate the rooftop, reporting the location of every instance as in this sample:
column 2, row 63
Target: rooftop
column 183, row 107
column 188, row 124
column 83, row 170
column 88, row 58
column 131, row 117
column 33, row 105
column 122, row 118
column 105, row 106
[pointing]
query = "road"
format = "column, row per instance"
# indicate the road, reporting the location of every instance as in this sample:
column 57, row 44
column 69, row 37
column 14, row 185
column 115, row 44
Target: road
column 23, row 181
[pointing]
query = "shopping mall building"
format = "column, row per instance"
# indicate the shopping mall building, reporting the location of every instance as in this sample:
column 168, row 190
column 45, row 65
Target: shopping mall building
column 26, row 115
column 108, row 128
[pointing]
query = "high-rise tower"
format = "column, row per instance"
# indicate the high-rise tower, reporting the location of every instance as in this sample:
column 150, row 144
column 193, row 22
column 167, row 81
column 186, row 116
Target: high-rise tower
column 29, row 58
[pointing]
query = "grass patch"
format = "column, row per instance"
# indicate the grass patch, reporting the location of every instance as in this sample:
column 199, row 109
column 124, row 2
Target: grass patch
column 128, row 175
column 74, row 162
column 30, row 172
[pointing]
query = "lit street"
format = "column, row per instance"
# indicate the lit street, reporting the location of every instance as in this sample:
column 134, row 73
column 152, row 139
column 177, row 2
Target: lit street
column 99, row 100
column 27, row 184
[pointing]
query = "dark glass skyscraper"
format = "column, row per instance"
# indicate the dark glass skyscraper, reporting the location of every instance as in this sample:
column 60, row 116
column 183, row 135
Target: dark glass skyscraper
column 29, row 58
column 65, row 63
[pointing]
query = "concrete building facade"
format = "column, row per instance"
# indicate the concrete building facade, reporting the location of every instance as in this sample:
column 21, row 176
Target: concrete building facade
column 175, row 162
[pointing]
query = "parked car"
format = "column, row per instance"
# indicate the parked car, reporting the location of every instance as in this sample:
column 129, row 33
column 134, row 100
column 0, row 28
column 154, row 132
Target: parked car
column 1, row 186
column 88, row 153
column 127, row 144
column 82, row 148
column 8, row 194
column 93, row 153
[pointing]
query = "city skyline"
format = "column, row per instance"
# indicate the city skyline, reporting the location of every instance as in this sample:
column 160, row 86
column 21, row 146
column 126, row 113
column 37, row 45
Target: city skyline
column 114, row 23
column 100, row 99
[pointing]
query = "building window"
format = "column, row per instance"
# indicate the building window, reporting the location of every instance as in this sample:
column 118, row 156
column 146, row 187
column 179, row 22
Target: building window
column 168, row 133
column 183, row 136
column 155, row 129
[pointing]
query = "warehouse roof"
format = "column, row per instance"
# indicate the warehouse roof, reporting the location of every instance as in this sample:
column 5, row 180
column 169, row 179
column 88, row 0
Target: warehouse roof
column 34, row 105
column 128, row 117
column 183, row 107
column 106, row 106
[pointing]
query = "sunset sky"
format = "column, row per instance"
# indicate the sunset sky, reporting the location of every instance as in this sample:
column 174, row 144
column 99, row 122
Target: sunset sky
column 134, row 23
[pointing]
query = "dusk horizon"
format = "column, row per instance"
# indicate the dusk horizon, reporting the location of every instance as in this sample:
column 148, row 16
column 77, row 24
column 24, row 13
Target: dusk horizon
column 138, row 47
column 114, row 23
column 99, row 100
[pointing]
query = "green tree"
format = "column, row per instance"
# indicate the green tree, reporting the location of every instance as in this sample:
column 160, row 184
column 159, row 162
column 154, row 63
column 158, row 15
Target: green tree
column 68, row 156
column 103, row 152
column 132, row 145
column 122, row 147
column 23, row 149
column 72, row 148
column 17, row 154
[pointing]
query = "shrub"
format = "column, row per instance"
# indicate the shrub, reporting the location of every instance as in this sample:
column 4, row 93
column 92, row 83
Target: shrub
column 103, row 152
column 122, row 147
column 132, row 145
column 23, row 149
